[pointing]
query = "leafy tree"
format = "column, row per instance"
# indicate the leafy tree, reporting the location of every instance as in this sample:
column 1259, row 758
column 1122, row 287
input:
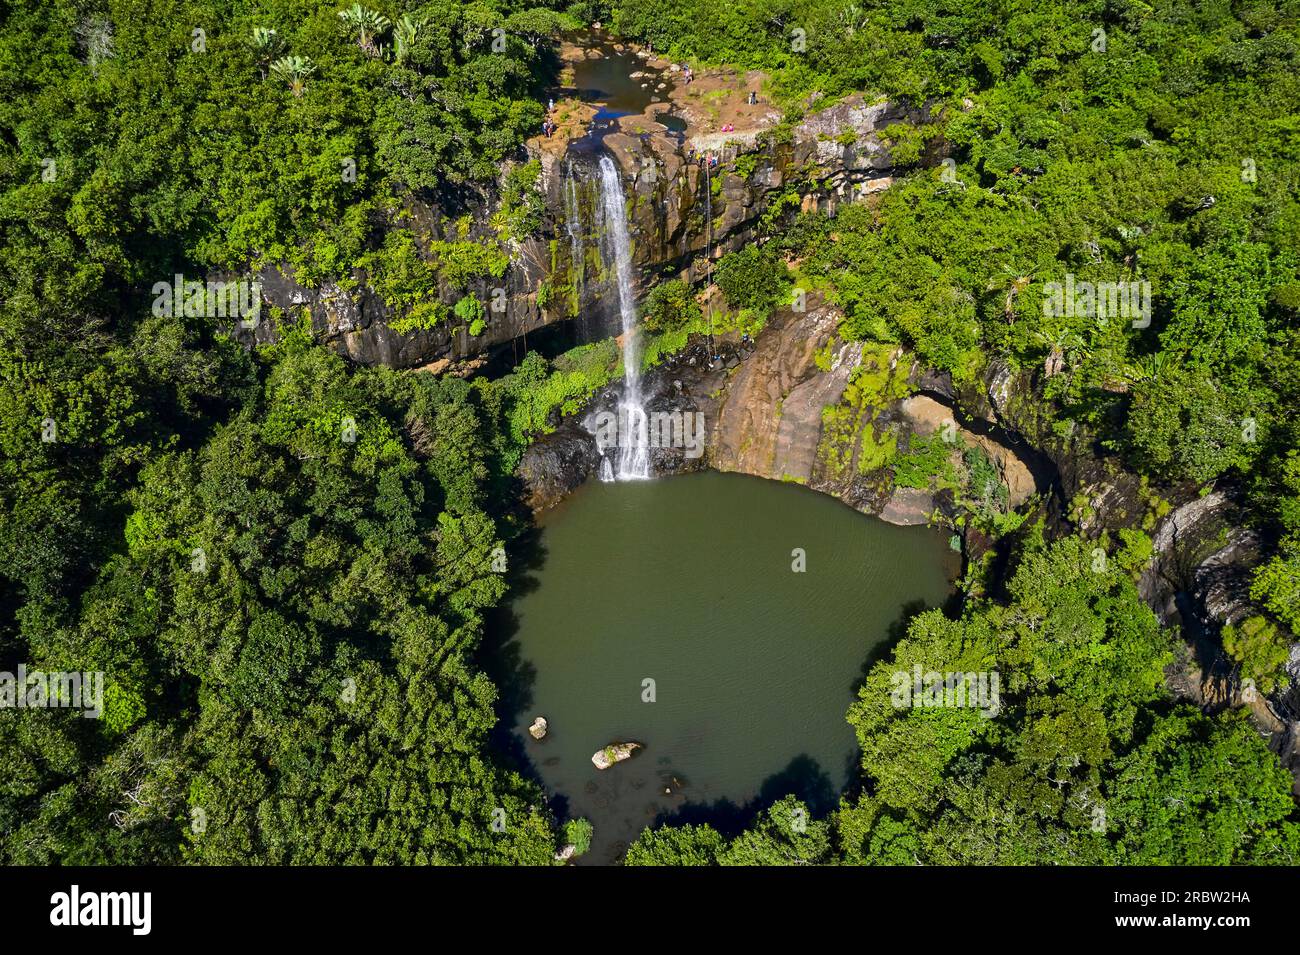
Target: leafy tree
column 1185, row 425
column 1260, row 649
column 752, row 278
column 669, row 306
column 676, row 845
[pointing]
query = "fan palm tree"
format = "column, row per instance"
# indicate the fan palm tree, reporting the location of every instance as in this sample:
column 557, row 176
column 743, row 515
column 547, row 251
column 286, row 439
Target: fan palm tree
column 294, row 70
column 1065, row 349
column 1016, row 281
column 368, row 24
column 404, row 34
column 266, row 44
column 1147, row 367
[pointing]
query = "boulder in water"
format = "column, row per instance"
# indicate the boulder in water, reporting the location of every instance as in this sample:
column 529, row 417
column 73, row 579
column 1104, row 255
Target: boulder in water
column 613, row 753
column 538, row 729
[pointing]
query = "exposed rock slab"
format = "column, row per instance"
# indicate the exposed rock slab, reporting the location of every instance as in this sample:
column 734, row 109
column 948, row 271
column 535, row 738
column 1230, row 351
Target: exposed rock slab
column 908, row 506
column 758, row 431
column 613, row 753
column 555, row 465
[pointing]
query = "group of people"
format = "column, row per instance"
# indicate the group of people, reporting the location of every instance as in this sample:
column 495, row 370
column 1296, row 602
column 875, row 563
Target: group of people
column 709, row 159
column 548, row 124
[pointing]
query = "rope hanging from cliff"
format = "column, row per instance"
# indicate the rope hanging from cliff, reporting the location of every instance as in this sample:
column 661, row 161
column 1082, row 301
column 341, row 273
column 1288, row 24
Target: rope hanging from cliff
column 708, row 255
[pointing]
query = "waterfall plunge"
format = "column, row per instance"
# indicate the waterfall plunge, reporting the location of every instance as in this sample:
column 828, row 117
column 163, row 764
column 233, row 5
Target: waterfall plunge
column 633, row 443
column 573, row 223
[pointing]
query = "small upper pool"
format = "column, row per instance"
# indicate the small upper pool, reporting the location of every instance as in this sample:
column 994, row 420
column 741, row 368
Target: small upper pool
column 608, row 81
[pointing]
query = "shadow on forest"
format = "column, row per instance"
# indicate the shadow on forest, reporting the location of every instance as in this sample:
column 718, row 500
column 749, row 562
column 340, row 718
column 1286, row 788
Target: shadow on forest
column 501, row 657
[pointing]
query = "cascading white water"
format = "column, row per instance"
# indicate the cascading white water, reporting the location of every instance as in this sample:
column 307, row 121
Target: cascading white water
column 573, row 224
column 633, row 444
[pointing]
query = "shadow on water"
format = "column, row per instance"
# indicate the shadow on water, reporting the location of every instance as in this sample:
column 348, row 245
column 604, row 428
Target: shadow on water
column 501, row 657
column 802, row 778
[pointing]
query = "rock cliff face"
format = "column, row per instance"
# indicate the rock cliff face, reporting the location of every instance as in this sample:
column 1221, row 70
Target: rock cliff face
column 353, row 319
column 682, row 214
column 677, row 207
column 788, row 406
column 796, row 411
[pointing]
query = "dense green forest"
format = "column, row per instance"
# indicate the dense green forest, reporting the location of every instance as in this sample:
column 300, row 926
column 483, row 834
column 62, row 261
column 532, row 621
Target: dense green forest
column 283, row 561
column 1158, row 142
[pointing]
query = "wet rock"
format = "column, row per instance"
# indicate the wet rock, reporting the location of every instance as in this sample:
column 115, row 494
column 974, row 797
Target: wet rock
column 557, row 464
column 908, row 506
column 613, row 753
column 538, row 728
column 1186, row 537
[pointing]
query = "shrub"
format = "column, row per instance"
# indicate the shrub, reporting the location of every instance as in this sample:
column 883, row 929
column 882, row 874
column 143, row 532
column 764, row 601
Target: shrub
column 752, row 278
column 522, row 204
column 577, row 832
column 469, row 309
column 670, row 306
column 1260, row 647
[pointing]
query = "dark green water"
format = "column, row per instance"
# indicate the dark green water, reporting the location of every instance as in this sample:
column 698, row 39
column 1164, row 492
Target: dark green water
column 688, row 581
column 607, row 81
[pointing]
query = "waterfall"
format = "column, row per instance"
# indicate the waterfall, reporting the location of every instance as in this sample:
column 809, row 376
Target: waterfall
column 573, row 225
column 633, row 443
